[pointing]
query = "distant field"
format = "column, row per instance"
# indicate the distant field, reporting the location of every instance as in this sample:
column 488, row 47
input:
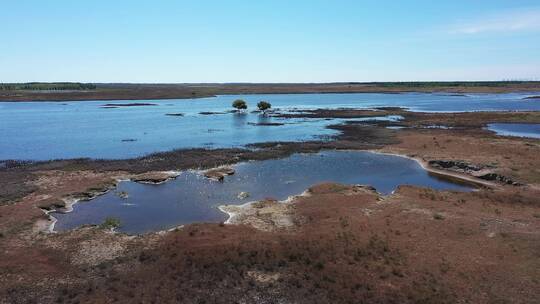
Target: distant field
column 48, row 86
column 99, row 91
column 465, row 84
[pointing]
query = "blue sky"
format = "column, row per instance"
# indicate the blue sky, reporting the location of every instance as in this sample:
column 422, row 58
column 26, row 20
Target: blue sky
column 268, row 41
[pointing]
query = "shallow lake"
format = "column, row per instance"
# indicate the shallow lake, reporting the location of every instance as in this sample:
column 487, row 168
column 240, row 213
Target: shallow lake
column 193, row 198
column 516, row 129
column 53, row 130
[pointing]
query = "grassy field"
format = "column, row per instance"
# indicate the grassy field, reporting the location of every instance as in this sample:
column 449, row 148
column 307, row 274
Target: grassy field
column 47, row 86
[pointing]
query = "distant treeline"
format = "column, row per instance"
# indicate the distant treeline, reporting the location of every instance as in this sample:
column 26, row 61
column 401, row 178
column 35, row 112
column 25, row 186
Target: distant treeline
column 52, row 86
column 453, row 83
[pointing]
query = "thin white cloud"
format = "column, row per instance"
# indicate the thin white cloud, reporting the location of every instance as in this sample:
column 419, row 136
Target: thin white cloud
column 501, row 22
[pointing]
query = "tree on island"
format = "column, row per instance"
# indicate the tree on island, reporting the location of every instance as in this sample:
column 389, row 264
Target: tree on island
column 263, row 106
column 239, row 104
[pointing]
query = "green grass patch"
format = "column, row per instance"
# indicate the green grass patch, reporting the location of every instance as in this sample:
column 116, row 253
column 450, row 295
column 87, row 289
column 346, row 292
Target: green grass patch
column 110, row 223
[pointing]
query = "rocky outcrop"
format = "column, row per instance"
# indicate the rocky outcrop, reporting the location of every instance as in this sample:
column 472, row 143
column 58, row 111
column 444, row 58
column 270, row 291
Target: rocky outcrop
column 155, row 177
column 481, row 171
column 455, row 165
column 491, row 176
column 243, row 195
column 219, row 174
column 122, row 194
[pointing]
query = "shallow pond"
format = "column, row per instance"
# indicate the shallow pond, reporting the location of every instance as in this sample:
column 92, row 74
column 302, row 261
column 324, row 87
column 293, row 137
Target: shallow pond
column 52, row 130
column 516, row 129
column 194, row 198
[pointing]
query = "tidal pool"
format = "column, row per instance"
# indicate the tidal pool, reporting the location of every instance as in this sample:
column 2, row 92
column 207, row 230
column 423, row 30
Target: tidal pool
column 516, row 129
column 193, row 198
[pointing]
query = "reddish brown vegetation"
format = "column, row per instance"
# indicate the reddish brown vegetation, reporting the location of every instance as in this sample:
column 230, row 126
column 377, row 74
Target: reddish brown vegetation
column 348, row 246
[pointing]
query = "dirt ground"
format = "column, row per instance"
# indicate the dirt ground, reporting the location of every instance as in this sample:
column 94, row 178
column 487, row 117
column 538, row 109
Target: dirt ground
column 334, row 244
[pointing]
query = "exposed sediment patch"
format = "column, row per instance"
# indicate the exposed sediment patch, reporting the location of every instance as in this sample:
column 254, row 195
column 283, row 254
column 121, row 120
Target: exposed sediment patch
column 155, row 177
column 175, row 114
column 271, row 215
column 267, row 215
column 218, row 174
column 132, row 104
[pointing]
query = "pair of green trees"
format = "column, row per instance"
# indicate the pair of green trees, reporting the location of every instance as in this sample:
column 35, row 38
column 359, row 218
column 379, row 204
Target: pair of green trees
column 240, row 104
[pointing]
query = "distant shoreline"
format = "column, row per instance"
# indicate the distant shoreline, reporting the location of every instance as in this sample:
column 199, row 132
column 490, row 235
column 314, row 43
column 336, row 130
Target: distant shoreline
column 106, row 92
